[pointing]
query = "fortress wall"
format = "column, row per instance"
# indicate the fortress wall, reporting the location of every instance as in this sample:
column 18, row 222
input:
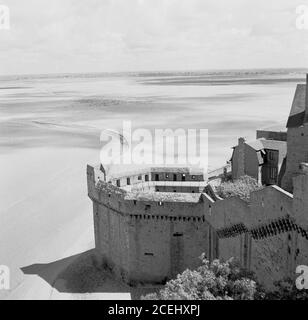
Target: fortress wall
column 151, row 241
column 185, row 210
column 258, row 234
column 232, row 247
column 112, row 244
column 177, row 189
column 272, row 258
column 162, row 246
column 301, row 200
column 227, row 212
column 267, row 204
column 301, row 249
column 169, row 176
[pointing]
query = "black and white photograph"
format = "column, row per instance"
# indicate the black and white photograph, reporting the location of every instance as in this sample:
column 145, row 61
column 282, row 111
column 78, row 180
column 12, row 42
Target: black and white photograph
column 154, row 150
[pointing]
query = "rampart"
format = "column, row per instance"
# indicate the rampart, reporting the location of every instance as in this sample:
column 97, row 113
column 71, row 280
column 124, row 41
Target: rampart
column 152, row 236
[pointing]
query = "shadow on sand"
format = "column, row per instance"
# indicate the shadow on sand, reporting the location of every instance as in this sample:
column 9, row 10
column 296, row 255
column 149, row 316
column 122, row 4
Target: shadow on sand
column 77, row 274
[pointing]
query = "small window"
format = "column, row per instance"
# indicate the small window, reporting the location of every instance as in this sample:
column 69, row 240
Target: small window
column 174, row 190
column 156, row 177
column 139, row 177
column 146, row 178
column 118, row 183
column 135, row 202
column 128, row 181
column 160, row 203
column 178, row 234
column 270, row 155
column 147, row 207
column 167, row 176
column 174, row 177
column 273, row 173
column 193, row 191
column 149, row 254
column 183, row 177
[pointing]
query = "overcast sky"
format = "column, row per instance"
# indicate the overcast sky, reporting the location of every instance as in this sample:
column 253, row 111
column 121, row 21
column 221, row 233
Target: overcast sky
column 134, row 35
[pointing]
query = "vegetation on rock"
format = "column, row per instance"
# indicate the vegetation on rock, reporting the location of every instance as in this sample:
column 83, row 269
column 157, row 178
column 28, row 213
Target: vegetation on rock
column 241, row 187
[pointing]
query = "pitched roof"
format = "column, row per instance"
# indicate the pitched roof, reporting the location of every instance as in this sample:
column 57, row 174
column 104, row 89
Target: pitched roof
column 256, row 144
column 297, row 113
column 259, row 145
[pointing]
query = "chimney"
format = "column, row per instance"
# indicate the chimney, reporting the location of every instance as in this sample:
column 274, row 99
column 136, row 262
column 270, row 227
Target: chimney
column 241, row 157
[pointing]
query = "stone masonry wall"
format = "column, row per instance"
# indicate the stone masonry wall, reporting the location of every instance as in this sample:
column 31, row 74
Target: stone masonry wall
column 146, row 241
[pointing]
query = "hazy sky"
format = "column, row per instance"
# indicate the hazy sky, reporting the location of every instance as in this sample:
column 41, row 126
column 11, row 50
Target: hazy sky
column 128, row 35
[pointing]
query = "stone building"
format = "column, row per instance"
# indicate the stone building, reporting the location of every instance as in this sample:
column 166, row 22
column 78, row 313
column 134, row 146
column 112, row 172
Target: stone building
column 261, row 159
column 297, row 133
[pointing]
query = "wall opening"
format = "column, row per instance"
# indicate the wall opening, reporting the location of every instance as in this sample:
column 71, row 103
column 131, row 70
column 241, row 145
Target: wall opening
column 178, row 234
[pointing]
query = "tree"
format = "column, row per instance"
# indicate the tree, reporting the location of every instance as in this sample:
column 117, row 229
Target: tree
column 211, row 281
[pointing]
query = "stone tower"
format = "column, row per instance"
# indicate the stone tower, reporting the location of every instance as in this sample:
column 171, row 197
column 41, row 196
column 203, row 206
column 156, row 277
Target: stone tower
column 297, row 136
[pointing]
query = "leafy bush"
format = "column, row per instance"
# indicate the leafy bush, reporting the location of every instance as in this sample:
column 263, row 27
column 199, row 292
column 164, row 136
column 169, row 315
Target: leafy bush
column 240, row 187
column 211, row 281
column 285, row 289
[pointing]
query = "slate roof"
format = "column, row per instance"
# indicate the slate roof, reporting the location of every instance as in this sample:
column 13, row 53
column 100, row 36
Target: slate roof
column 297, row 113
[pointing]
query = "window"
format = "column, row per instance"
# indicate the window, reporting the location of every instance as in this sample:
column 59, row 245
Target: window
column 146, row 178
column 167, row 176
column 271, row 155
column 174, row 177
column 193, row 177
column 156, row 177
column 273, row 173
column 139, row 177
column 118, row 183
column 183, row 177
column 149, row 254
column 160, row 203
column 128, row 181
